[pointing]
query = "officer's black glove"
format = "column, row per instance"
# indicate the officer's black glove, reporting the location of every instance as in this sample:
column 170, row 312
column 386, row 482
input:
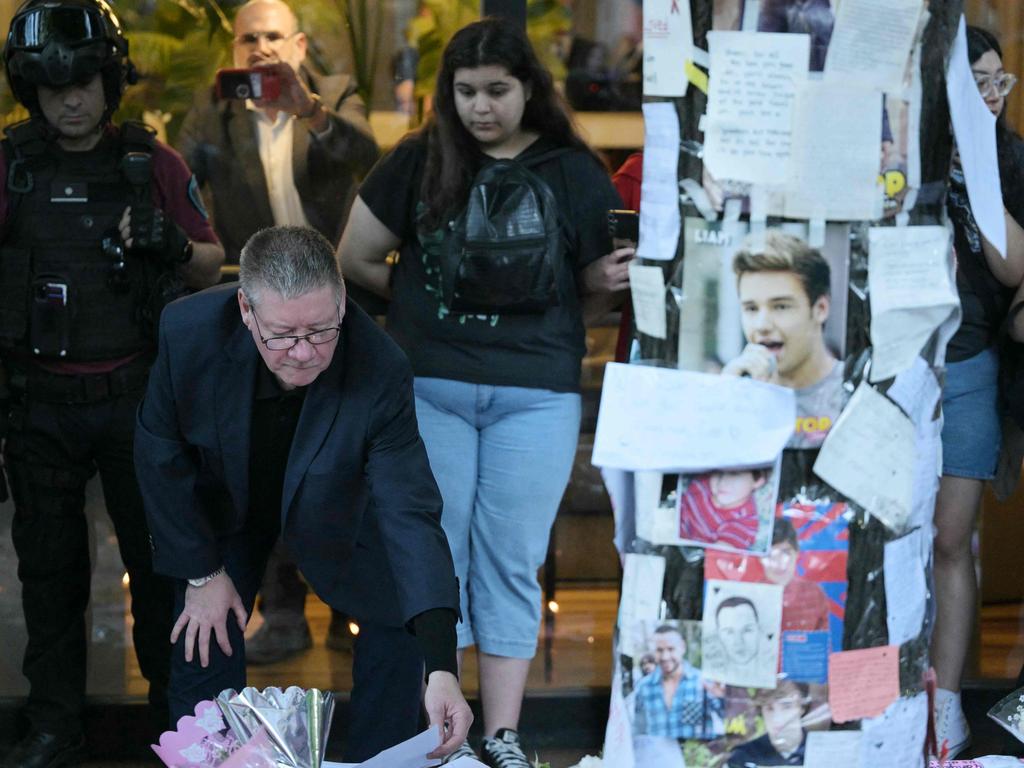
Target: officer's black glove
column 153, row 232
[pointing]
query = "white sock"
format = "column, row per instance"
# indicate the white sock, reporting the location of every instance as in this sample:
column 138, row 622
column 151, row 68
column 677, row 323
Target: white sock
column 942, row 695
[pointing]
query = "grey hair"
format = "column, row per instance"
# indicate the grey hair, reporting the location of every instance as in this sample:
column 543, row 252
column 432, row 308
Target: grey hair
column 291, row 261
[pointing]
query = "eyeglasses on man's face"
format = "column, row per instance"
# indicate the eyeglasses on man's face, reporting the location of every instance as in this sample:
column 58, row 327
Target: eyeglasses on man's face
column 991, row 86
column 282, row 343
column 274, row 39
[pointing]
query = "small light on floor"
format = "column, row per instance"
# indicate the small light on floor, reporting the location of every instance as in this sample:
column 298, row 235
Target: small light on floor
column 553, row 606
column 125, row 581
column 590, row 639
column 353, row 628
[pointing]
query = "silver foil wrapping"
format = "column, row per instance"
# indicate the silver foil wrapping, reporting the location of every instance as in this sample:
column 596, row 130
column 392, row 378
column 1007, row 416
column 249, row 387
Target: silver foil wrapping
column 296, row 721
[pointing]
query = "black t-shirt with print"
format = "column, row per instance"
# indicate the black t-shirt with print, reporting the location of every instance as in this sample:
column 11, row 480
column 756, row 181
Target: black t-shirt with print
column 540, row 350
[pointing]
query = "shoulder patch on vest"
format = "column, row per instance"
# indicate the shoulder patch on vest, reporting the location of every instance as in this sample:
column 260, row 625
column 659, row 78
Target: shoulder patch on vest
column 196, row 198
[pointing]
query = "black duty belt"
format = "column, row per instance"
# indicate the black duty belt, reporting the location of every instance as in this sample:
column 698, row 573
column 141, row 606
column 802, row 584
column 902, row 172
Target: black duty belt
column 44, row 386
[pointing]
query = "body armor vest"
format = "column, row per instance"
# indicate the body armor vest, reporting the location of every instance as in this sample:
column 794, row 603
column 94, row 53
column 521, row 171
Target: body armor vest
column 67, row 289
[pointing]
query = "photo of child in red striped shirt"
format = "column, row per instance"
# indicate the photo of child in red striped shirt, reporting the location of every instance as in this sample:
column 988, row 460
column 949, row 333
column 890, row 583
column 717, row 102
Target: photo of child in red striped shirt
column 727, row 508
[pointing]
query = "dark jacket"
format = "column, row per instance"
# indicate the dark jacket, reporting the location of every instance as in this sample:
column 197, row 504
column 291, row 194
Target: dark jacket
column 218, row 140
column 360, row 508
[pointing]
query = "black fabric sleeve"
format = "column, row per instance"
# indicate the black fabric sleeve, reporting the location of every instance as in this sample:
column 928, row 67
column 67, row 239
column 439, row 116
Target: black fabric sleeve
column 592, row 196
column 435, row 632
column 391, row 190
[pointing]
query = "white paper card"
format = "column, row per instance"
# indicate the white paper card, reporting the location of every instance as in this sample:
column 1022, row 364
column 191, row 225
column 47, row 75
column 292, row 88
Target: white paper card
column 871, row 43
column 668, row 43
column 409, row 754
column 659, row 190
column 975, row 130
column 912, row 293
column 832, row 749
column 905, row 590
column 896, row 737
column 823, row 182
column 647, row 287
column 754, row 80
column 869, row 457
column 643, row 577
column 668, row 420
column 916, row 391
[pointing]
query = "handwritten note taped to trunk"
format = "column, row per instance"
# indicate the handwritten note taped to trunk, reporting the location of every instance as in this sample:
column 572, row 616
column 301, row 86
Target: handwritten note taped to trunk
column 647, row 287
column 869, row 457
column 871, row 42
column 906, row 594
column 659, row 191
column 863, row 683
column 975, row 129
column 896, row 737
column 668, row 43
column 643, row 577
column 912, row 293
column 754, row 81
column 823, row 182
column 668, row 420
column 830, row 749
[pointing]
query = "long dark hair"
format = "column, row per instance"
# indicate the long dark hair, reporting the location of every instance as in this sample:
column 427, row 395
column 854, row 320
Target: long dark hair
column 1009, row 144
column 452, row 152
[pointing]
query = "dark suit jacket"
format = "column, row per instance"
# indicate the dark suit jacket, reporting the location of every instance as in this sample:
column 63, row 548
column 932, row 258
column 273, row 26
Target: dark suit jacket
column 360, row 508
column 218, row 140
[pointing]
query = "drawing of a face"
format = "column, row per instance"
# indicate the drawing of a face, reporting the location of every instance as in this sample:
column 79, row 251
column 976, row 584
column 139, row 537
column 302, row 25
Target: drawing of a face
column 669, row 648
column 732, row 489
column 739, row 631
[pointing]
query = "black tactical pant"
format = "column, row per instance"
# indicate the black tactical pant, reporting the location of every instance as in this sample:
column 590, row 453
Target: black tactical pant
column 52, row 449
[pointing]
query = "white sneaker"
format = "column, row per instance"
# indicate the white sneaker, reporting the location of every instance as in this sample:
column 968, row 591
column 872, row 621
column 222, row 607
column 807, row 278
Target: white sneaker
column 952, row 734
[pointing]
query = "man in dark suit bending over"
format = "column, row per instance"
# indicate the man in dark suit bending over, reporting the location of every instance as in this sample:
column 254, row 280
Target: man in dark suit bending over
column 278, row 408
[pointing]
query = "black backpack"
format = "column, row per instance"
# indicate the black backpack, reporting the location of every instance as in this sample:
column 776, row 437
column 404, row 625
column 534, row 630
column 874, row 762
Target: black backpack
column 504, row 252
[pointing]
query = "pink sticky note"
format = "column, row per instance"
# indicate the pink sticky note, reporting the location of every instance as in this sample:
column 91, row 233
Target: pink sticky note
column 863, row 683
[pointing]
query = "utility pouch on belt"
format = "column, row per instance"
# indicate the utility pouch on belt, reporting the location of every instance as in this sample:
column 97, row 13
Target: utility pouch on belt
column 50, row 322
column 14, row 275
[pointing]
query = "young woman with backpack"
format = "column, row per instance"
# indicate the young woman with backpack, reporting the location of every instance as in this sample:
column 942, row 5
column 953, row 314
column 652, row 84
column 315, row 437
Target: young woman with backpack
column 970, row 400
column 498, row 211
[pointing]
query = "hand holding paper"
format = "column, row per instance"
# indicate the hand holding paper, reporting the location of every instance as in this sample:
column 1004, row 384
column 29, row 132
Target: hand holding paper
column 447, row 708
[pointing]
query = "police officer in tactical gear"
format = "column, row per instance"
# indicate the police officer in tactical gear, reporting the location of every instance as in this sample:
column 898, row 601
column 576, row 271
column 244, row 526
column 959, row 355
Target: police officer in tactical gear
column 100, row 226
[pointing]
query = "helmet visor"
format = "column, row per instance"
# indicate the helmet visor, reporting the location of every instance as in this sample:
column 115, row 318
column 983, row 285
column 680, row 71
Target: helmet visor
column 68, row 25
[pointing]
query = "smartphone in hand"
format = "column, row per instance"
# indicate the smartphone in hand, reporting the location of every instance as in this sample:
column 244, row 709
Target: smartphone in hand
column 257, row 83
column 624, row 227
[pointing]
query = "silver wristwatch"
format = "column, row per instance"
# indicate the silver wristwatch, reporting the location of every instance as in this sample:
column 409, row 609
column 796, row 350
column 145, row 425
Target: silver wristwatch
column 206, row 579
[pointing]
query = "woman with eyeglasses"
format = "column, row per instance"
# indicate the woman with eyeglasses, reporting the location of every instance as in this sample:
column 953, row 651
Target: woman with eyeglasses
column 971, row 429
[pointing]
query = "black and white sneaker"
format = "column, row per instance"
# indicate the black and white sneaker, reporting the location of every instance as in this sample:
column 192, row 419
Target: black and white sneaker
column 503, row 750
column 464, row 750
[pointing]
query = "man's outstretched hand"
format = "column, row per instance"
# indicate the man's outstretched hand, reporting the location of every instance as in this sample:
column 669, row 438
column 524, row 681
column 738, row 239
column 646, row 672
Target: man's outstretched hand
column 206, row 609
column 447, row 707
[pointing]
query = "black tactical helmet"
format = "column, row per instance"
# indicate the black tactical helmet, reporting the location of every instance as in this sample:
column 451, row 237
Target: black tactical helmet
column 59, row 42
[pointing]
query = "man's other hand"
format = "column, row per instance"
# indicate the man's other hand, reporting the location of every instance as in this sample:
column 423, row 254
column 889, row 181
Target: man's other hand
column 207, row 608
column 447, row 707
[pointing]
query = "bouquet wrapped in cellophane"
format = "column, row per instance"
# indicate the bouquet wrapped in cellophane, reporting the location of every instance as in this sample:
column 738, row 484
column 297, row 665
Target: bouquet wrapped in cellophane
column 272, row 728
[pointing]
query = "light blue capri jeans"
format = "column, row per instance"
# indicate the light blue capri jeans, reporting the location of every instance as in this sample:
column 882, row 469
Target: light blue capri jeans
column 502, row 458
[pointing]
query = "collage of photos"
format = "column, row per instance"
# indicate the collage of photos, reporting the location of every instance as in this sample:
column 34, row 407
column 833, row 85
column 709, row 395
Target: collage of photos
column 817, row 18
